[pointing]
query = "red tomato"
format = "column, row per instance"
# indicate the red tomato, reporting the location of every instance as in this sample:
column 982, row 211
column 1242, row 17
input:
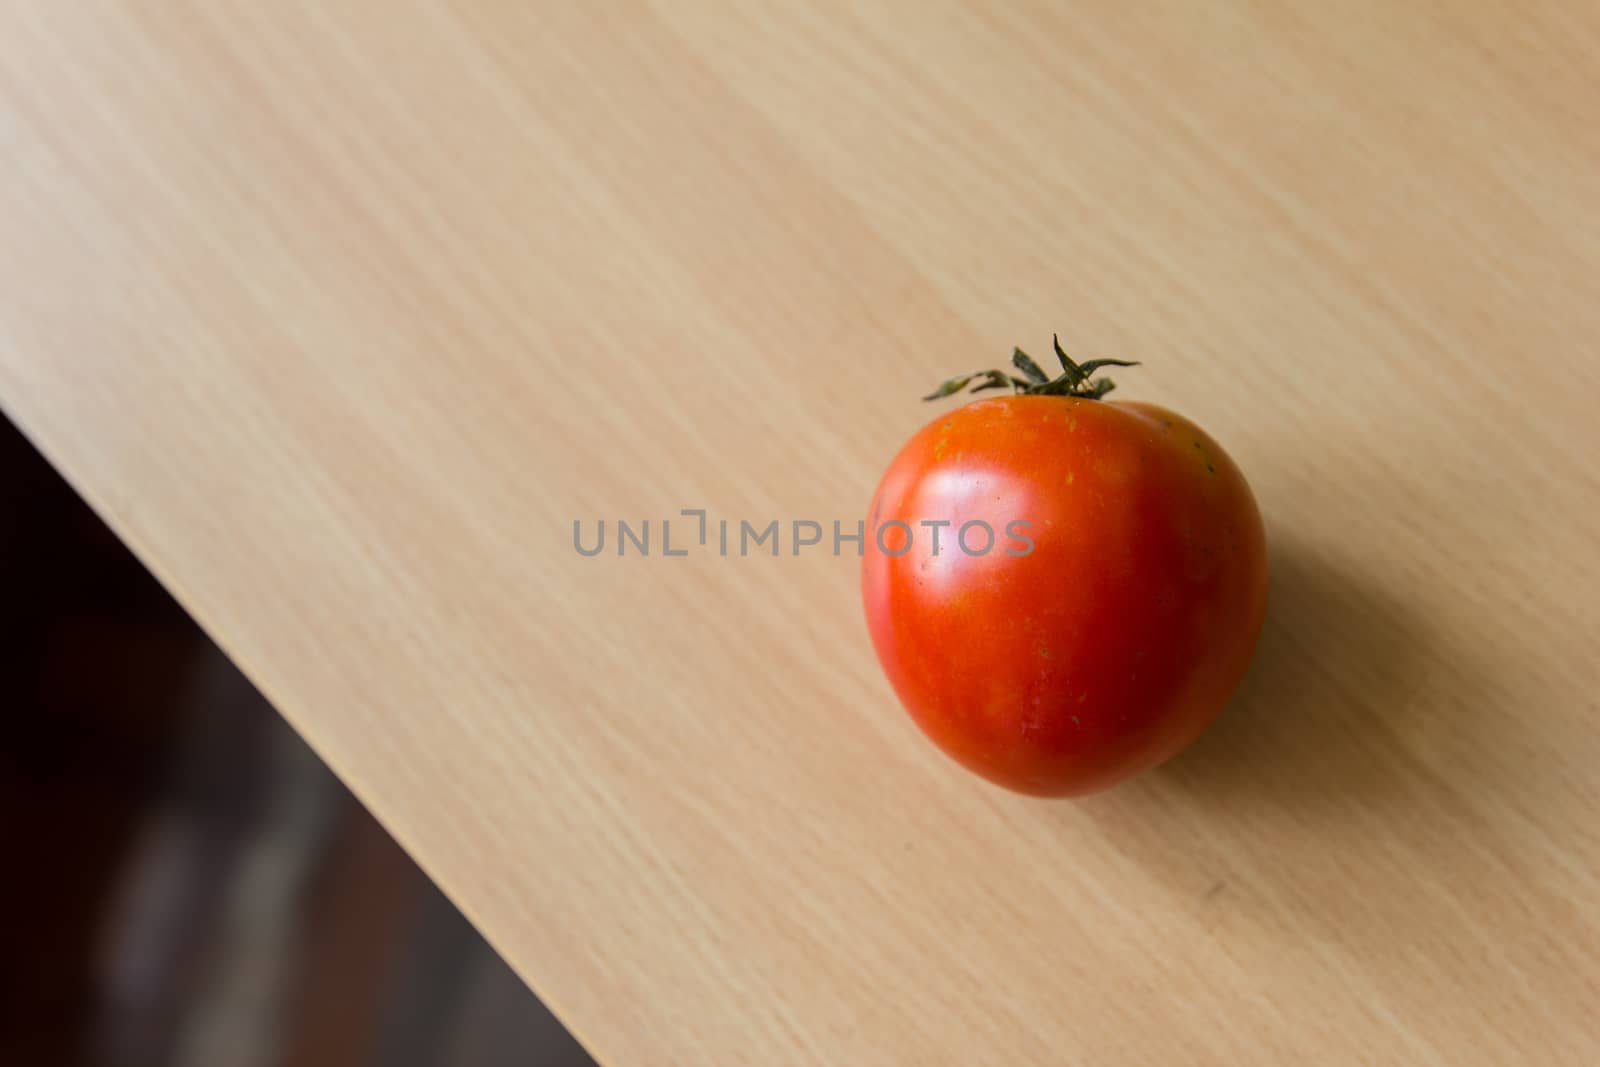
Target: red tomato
column 1116, row 638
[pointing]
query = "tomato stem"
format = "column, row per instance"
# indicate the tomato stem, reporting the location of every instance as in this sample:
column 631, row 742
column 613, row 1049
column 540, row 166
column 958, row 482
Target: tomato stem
column 1074, row 379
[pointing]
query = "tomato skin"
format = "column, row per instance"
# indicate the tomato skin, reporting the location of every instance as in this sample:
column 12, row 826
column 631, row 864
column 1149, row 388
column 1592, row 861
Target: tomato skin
column 1112, row 643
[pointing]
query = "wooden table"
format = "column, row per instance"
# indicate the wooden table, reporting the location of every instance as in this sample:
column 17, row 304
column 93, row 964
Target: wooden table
column 342, row 313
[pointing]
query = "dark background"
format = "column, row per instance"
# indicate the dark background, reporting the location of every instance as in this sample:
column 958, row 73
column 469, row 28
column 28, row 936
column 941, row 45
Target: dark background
column 181, row 880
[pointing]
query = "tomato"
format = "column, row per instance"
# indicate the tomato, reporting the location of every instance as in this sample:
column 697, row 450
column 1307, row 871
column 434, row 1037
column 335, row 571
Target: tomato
column 1108, row 627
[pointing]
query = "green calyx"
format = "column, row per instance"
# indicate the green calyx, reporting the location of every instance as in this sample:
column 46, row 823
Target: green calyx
column 1074, row 379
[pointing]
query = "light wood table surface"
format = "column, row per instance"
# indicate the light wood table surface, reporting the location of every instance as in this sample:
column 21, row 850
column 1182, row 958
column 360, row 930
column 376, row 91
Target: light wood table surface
column 341, row 313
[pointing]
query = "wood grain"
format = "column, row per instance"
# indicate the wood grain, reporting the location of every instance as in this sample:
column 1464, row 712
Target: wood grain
column 342, row 313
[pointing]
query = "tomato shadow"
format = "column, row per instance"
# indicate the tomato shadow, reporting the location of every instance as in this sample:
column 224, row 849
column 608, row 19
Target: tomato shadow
column 1339, row 740
column 1350, row 695
column 1323, row 716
